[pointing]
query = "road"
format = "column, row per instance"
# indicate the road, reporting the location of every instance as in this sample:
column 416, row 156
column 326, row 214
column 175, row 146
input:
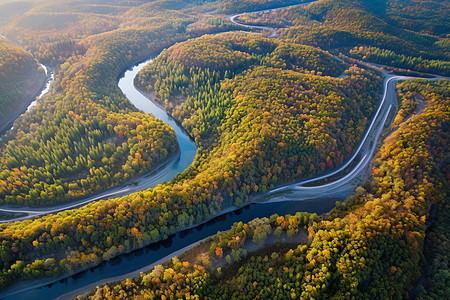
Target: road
column 273, row 31
column 142, row 183
column 365, row 150
column 353, row 168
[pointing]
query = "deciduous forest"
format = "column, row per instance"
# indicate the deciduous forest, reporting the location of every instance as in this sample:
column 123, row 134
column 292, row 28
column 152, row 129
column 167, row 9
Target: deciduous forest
column 370, row 246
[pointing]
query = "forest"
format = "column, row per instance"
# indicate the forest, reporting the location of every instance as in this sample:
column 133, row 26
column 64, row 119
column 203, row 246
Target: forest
column 253, row 154
column 376, row 31
column 263, row 112
column 21, row 79
column 44, row 162
column 368, row 247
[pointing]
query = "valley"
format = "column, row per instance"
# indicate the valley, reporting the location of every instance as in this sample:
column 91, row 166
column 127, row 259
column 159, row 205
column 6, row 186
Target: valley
column 266, row 119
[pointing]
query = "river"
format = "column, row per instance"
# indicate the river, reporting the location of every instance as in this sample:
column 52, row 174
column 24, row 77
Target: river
column 124, row 264
column 138, row 259
column 312, row 201
column 188, row 149
column 164, row 172
column 317, row 201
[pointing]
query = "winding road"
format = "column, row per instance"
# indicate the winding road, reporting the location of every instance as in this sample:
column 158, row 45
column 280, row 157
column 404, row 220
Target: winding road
column 349, row 173
column 364, row 152
column 151, row 179
column 164, row 172
column 273, row 31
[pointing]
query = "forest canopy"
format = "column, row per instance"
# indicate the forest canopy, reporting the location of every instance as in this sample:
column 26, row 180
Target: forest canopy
column 371, row 246
column 263, row 112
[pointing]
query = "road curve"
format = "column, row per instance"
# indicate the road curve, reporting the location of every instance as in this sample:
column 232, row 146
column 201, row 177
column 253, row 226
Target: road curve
column 273, row 31
column 374, row 131
column 380, row 115
column 137, row 184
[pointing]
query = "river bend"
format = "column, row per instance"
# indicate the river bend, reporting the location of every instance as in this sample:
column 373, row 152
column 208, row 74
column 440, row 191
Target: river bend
column 282, row 200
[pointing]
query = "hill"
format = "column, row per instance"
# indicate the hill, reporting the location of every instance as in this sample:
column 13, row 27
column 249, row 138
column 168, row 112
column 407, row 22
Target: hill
column 21, row 80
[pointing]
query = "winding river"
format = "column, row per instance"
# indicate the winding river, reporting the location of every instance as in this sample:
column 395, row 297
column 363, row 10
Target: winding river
column 319, row 200
column 283, row 200
column 49, row 77
column 164, row 172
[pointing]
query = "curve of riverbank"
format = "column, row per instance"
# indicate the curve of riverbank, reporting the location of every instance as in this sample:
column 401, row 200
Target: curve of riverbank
column 259, row 209
column 273, row 31
column 164, row 172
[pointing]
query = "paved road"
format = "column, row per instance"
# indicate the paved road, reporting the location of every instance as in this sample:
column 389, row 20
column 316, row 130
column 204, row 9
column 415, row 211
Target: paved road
column 273, row 31
column 142, row 183
column 360, row 159
column 364, row 151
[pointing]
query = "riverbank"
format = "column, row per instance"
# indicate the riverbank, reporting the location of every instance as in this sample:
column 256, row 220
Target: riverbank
column 32, row 88
column 151, row 178
column 191, row 254
column 139, row 258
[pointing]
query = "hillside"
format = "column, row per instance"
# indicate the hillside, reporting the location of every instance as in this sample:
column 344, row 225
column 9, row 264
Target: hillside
column 371, row 246
column 21, row 80
column 263, row 112
column 383, row 32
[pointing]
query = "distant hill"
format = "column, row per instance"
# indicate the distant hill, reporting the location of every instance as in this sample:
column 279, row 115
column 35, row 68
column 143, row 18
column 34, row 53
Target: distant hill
column 21, row 79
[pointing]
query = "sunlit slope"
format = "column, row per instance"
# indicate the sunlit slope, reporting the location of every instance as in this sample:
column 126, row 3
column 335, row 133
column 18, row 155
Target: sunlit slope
column 370, row 247
column 399, row 34
column 271, row 120
column 21, row 79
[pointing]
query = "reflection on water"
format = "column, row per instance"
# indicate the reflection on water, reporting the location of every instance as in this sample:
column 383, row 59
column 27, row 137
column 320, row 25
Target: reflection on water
column 135, row 260
column 140, row 258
